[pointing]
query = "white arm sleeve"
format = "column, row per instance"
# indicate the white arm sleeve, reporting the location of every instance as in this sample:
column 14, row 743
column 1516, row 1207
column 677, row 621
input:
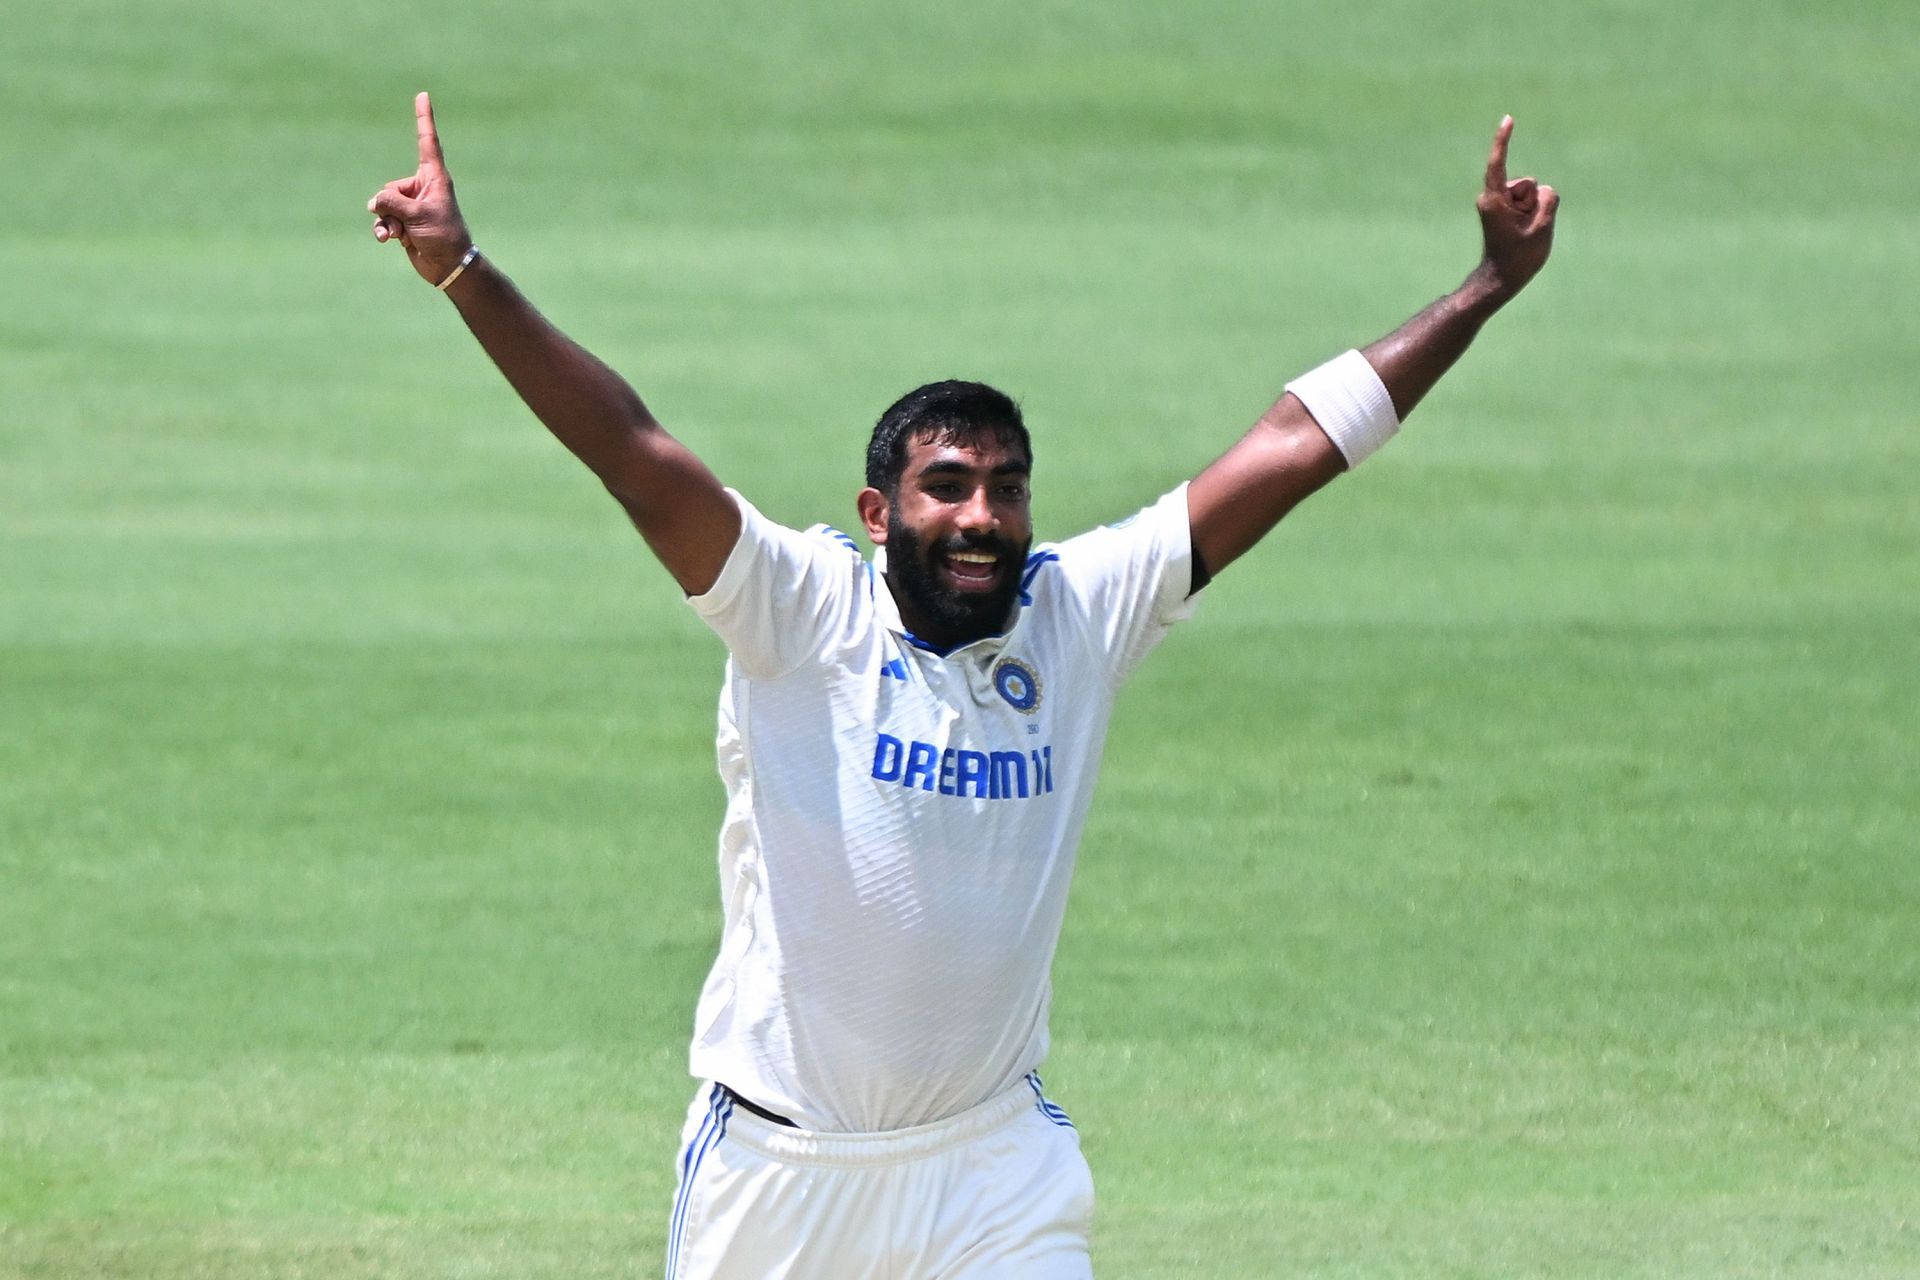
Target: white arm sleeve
column 1351, row 404
column 1135, row 579
column 783, row 596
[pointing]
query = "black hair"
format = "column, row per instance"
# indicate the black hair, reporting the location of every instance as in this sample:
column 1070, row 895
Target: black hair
column 949, row 411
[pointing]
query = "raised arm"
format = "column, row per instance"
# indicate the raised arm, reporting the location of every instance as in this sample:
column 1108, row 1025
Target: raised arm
column 673, row 500
column 1288, row 454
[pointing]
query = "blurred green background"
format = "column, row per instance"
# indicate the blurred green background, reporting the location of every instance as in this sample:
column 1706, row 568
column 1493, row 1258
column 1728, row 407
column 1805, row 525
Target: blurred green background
column 1512, row 872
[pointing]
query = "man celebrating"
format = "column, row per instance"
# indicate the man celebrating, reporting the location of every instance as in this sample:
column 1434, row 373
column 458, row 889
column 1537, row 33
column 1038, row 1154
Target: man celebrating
column 909, row 747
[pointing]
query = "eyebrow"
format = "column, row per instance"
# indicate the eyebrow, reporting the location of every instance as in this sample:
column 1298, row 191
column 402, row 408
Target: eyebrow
column 953, row 466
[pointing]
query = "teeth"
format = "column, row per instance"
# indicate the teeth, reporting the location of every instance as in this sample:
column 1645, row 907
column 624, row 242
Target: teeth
column 975, row 557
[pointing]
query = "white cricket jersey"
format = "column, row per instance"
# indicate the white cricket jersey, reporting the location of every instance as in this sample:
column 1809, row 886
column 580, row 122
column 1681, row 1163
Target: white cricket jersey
column 901, row 823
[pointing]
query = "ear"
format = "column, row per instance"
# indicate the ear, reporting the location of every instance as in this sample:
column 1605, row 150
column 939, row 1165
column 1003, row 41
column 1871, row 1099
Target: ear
column 874, row 510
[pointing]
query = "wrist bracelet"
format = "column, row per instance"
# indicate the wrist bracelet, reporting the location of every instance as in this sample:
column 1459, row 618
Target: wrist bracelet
column 1351, row 404
column 466, row 260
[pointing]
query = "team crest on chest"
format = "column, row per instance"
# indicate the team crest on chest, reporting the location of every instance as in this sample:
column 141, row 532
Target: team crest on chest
column 1016, row 682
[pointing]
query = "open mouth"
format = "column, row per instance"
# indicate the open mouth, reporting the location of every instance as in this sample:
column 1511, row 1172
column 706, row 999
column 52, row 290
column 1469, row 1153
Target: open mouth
column 970, row 570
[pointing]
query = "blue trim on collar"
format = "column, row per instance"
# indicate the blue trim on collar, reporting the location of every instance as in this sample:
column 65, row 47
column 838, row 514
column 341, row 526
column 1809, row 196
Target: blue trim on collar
column 1037, row 561
column 918, row 643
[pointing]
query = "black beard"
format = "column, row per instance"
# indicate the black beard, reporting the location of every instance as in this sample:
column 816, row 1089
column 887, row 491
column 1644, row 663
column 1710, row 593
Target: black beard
column 963, row 618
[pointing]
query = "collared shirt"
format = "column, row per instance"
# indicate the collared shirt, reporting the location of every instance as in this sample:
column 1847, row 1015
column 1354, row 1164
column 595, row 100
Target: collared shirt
column 901, row 822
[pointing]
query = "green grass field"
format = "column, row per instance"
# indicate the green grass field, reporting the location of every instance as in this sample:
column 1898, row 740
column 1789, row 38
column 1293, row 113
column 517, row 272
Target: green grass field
column 1512, row 872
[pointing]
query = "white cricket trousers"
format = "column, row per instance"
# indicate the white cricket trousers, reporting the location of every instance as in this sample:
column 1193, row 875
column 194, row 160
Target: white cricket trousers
column 1000, row 1192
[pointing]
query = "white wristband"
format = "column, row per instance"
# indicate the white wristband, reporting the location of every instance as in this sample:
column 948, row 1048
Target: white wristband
column 466, row 260
column 1351, row 404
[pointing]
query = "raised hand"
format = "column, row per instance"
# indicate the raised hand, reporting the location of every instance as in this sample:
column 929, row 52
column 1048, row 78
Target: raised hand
column 1516, row 218
column 420, row 211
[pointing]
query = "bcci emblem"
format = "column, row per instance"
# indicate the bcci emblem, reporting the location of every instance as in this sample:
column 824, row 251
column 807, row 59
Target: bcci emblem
column 1017, row 684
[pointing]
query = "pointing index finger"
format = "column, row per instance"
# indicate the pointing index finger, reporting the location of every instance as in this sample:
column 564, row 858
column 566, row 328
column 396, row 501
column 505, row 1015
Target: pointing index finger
column 1496, row 159
column 429, row 136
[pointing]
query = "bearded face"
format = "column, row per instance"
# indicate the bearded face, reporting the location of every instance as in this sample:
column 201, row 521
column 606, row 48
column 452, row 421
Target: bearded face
column 964, row 582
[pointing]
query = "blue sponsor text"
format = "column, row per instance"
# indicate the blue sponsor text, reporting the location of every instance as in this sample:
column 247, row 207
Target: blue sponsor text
column 951, row 771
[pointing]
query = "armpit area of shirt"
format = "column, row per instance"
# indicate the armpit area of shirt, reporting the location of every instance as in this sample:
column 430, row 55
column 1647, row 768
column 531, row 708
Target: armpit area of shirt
column 734, row 573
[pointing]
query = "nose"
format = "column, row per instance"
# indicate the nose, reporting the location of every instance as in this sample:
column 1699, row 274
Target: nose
column 976, row 513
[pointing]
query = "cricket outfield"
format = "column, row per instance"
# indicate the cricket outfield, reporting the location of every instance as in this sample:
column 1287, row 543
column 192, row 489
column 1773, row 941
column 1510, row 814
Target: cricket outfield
column 1511, row 872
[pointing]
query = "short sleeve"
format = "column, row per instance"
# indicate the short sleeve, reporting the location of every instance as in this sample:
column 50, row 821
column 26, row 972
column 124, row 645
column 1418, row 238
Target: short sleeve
column 783, row 596
column 1136, row 579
